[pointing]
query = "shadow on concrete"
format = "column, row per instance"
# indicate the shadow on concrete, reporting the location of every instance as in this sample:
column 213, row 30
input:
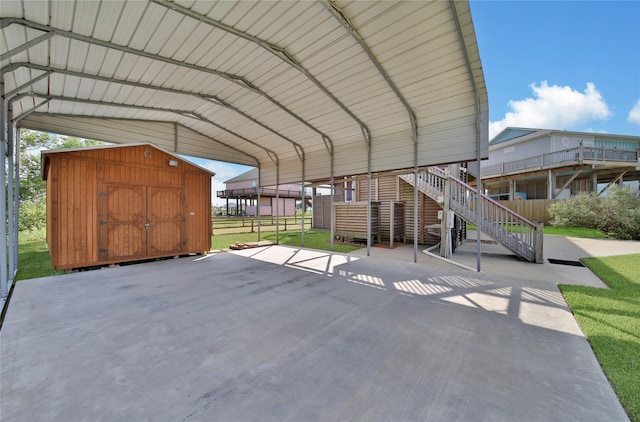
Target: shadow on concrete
column 279, row 333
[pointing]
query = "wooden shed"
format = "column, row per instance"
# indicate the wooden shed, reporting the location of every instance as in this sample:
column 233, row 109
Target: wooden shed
column 124, row 203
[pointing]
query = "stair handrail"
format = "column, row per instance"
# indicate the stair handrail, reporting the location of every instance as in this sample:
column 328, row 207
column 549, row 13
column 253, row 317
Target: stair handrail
column 526, row 240
column 494, row 202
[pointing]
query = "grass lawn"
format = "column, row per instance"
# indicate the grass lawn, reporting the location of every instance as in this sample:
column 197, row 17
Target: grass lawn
column 33, row 256
column 610, row 319
column 574, row 232
column 314, row 239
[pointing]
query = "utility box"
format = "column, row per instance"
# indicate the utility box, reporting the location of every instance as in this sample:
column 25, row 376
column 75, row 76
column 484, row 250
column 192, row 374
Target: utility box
column 124, row 203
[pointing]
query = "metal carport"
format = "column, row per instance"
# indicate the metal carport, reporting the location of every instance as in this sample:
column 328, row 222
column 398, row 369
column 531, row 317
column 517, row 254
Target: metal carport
column 305, row 91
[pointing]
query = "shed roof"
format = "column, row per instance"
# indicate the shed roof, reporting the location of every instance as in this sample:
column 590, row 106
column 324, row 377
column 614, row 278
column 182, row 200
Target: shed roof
column 303, row 90
column 46, row 154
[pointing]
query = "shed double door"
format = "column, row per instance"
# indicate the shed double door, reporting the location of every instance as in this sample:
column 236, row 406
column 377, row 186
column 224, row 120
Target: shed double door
column 140, row 221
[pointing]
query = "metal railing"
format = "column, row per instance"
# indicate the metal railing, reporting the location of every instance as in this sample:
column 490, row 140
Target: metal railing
column 577, row 155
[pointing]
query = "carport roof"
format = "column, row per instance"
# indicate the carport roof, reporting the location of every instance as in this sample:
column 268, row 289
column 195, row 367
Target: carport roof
column 303, row 90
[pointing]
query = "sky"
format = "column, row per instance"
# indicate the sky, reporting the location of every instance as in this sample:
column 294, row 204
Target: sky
column 571, row 65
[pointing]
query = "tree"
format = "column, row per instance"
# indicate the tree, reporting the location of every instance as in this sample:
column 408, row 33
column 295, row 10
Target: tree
column 31, row 184
column 32, row 188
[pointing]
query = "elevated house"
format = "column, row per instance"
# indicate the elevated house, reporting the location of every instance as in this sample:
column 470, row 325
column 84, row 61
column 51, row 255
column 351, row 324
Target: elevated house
column 546, row 165
column 430, row 206
column 393, row 197
column 279, row 200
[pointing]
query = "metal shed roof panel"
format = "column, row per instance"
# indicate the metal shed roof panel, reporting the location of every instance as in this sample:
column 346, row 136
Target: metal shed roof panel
column 297, row 79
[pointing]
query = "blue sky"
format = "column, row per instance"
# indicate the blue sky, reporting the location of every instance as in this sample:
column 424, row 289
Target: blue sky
column 561, row 64
column 571, row 65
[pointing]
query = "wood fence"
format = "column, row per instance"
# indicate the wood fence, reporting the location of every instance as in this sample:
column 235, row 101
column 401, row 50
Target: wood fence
column 531, row 209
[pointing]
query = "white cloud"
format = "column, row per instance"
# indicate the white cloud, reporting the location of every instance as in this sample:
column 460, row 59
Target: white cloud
column 634, row 114
column 554, row 107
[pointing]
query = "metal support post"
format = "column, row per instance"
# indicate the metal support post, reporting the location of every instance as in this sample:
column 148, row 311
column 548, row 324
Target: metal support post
column 4, row 281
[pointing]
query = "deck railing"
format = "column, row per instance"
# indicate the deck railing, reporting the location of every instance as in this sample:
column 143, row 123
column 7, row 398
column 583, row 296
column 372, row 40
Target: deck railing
column 577, row 155
column 253, row 192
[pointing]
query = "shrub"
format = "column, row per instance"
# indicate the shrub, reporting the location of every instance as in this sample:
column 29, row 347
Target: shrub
column 617, row 214
column 33, row 215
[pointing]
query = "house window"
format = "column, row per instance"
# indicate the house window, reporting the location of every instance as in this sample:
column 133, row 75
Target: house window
column 602, row 143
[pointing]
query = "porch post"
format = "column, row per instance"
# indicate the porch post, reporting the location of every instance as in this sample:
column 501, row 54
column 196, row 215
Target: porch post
column 512, row 189
column 539, row 242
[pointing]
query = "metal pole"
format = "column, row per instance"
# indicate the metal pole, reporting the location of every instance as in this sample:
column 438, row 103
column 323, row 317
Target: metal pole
column 479, row 195
column 331, row 202
column 10, row 189
column 16, row 193
column 258, row 206
column 4, row 286
column 369, row 143
column 304, row 205
column 415, row 214
column 277, row 201
column 369, row 210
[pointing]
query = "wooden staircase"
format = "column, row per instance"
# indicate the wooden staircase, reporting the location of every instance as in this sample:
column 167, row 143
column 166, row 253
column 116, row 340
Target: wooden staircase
column 521, row 236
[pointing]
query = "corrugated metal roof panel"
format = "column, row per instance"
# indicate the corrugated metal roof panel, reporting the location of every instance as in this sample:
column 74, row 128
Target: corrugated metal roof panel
column 305, row 76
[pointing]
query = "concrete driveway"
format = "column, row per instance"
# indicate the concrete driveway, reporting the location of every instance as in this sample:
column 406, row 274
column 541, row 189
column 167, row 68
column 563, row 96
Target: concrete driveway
column 286, row 334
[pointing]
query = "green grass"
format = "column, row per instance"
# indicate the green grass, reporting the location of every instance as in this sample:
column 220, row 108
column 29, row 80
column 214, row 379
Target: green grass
column 610, row 319
column 574, row 232
column 314, row 239
column 33, row 256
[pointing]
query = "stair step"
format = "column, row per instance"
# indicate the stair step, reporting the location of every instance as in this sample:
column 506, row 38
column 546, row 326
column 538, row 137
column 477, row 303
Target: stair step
column 462, row 208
